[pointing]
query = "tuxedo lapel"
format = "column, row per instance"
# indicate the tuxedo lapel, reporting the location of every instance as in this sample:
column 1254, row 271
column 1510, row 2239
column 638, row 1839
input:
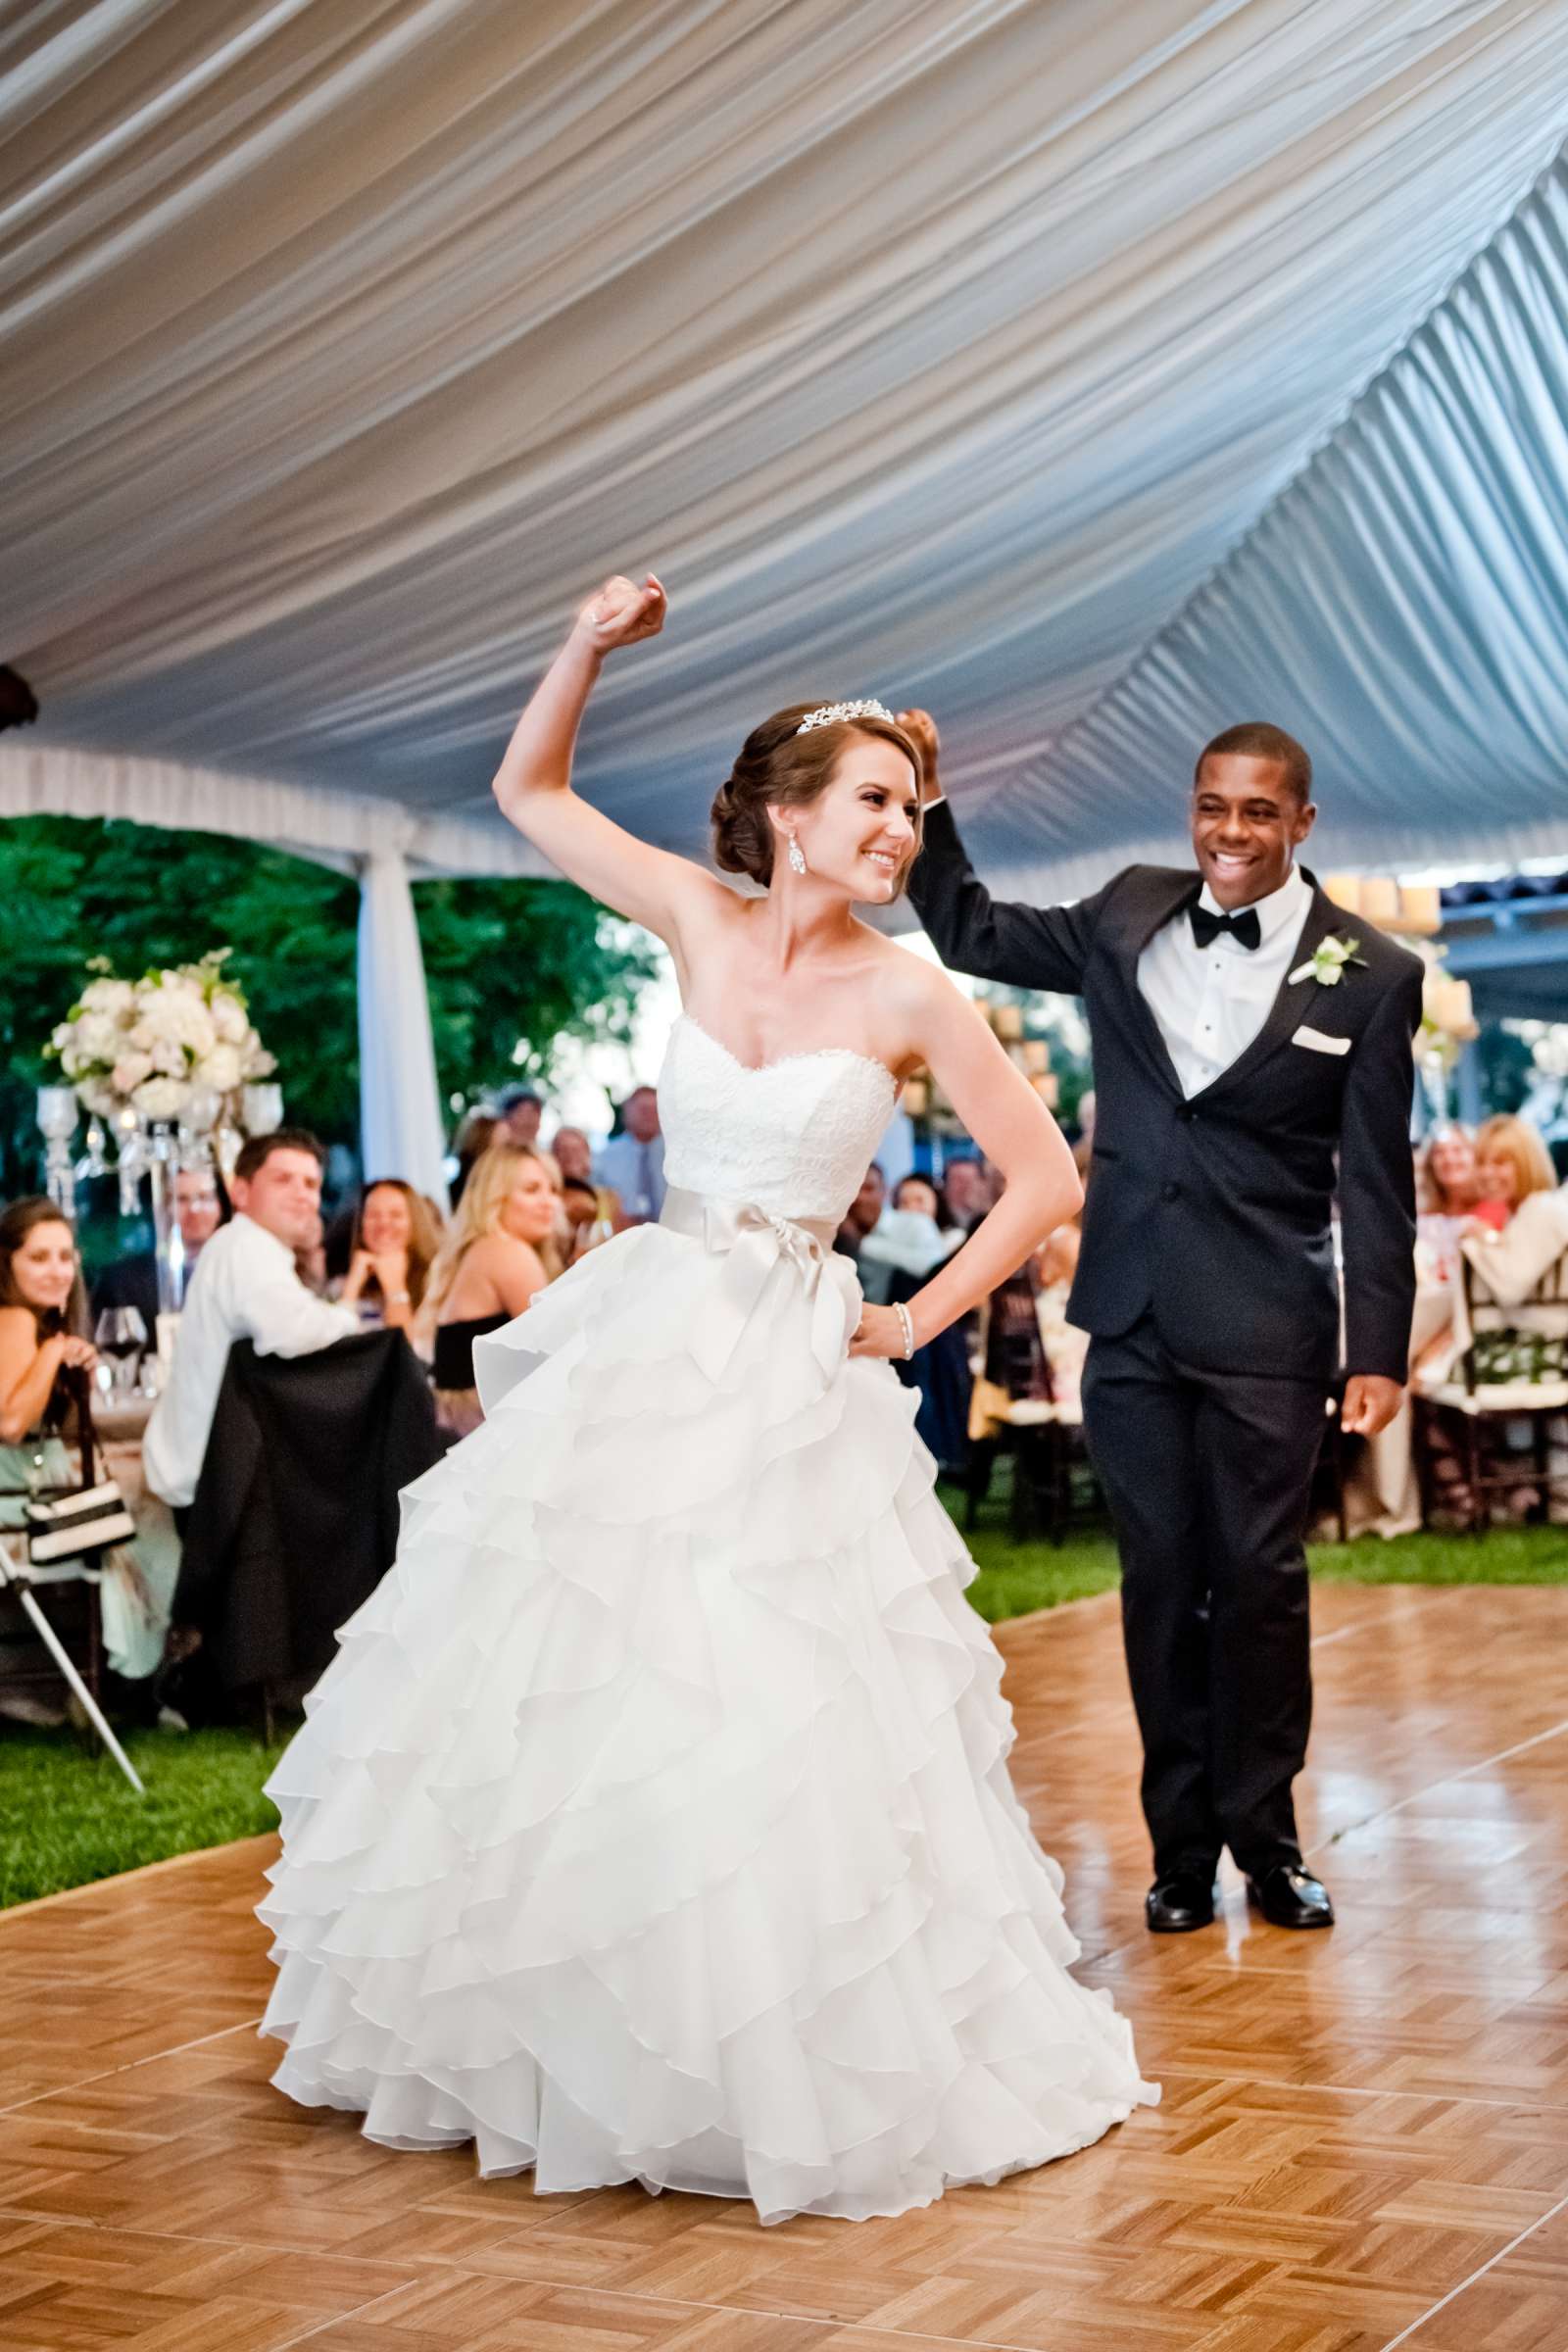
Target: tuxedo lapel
column 1295, row 1000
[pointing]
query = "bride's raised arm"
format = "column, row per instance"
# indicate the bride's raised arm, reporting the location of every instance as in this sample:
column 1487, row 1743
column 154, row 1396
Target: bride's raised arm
column 1041, row 1188
column 533, row 783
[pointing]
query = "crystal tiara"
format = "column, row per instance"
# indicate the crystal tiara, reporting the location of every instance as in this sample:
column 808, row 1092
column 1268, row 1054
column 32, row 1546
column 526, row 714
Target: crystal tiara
column 831, row 713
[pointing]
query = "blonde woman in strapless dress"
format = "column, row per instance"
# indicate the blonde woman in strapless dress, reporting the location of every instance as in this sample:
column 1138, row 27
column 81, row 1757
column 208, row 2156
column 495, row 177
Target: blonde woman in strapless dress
column 654, row 1820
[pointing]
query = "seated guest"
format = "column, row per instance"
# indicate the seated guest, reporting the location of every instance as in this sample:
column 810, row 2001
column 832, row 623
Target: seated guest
column 584, row 1216
column 1066, row 1347
column 921, row 1196
column 1511, row 1163
column 863, row 1212
column 632, row 1164
column 310, row 1258
column 247, row 1287
column 522, row 1114
column 964, row 1194
column 573, row 1155
column 44, row 1351
column 476, row 1131
column 1516, row 1233
column 906, row 1238
column 394, row 1247
column 1446, row 1187
column 200, row 1206
column 498, row 1250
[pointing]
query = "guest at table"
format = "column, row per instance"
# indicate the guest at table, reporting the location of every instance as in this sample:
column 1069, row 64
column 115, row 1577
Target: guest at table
column 862, row 1214
column 1516, row 1230
column 522, row 1113
column 898, row 1256
column 1446, row 1187
column 476, row 1131
column 247, row 1287
column 1066, row 1347
column 573, row 1155
column 965, row 1193
column 920, row 1197
column 632, row 1164
column 393, row 1249
column 1511, row 1163
column 43, row 1349
column 201, row 1206
column 498, row 1250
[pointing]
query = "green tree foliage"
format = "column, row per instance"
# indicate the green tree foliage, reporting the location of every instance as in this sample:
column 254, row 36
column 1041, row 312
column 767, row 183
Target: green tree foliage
column 511, row 964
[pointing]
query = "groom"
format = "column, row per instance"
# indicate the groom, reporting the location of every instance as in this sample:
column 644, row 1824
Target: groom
column 1246, row 1037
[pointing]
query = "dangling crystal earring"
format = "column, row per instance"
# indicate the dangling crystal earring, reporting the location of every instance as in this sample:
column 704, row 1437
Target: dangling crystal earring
column 797, row 865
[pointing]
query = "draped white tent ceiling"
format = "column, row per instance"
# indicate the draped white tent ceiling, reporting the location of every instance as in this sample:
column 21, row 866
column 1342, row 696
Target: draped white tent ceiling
column 1076, row 371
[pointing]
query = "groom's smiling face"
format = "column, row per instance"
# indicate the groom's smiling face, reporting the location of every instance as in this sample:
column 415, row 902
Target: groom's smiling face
column 1247, row 823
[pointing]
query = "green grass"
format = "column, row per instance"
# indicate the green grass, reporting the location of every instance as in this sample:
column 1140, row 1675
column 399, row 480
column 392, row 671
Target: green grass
column 67, row 1817
column 1016, row 1578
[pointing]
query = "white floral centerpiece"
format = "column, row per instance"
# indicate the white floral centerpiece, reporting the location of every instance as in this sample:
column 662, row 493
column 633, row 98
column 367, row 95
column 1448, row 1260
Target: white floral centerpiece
column 146, row 1045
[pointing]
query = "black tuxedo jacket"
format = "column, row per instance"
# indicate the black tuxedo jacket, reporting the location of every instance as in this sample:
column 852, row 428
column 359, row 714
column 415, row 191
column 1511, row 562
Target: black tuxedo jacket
column 1214, row 1213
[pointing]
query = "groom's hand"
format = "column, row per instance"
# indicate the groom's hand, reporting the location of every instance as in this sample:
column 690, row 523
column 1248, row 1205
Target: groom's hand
column 1370, row 1403
column 921, row 729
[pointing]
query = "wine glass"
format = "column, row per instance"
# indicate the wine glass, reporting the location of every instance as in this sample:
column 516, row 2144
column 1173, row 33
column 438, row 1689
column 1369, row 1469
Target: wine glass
column 120, row 1335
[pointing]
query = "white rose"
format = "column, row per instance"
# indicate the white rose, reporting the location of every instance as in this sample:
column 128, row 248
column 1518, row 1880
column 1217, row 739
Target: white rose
column 98, row 1099
column 114, row 997
column 220, row 1068
column 61, row 1035
column 168, row 1055
column 98, row 1036
column 258, row 1064
column 129, row 1071
column 161, row 1098
column 175, row 1009
column 71, row 1061
column 229, row 1017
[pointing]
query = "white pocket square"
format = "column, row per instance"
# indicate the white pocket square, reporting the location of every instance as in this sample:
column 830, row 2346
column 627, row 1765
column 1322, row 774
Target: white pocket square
column 1319, row 1042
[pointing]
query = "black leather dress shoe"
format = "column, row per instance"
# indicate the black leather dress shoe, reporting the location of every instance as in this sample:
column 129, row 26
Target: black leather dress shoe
column 1289, row 1896
column 1175, row 1905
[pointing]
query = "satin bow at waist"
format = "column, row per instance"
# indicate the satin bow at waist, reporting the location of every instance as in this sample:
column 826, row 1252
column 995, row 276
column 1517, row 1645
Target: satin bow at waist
column 752, row 1242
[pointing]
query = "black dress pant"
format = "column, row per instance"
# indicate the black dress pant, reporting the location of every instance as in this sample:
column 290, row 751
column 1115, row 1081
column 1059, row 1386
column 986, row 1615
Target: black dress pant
column 1208, row 1476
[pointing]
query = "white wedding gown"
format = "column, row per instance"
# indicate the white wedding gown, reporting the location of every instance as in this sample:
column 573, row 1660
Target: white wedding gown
column 653, row 1822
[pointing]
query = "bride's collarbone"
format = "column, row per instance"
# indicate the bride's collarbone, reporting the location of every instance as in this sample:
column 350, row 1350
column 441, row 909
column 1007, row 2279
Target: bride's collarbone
column 759, row 1020
column 752, row 1047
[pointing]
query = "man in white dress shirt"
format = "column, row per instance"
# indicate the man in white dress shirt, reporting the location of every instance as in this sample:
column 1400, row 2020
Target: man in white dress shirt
column 246, row 1287
column 1251, row 1050
column 632, row 1164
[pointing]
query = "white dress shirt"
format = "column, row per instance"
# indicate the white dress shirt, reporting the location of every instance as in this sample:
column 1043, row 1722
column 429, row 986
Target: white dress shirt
column 245, row 1286
column 634, row 1170
column 1211, row 1003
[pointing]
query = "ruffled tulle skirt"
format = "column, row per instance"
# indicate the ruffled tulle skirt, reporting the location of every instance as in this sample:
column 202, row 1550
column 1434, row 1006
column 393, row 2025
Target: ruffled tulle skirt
column 653, row 1822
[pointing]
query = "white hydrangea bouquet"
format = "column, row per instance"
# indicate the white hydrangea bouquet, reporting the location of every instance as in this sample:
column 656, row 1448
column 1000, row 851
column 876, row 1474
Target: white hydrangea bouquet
column 147, row 1045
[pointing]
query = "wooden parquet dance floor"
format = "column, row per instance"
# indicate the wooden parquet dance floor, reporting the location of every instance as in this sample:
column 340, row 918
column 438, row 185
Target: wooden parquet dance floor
column 1363, row 2141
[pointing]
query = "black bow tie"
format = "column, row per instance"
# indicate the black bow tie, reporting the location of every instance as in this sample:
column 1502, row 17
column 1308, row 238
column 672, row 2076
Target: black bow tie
column 1245, row 927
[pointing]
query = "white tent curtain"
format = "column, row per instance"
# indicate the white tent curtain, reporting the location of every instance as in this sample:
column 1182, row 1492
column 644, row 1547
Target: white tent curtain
column 400, row 1127
column 941, row 351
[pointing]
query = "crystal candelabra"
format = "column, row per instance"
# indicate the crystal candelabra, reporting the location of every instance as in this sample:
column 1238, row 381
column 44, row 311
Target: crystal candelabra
column 57, row 1123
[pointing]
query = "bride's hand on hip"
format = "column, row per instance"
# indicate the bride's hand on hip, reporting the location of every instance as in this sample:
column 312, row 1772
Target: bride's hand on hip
column 623, row 612
column 879, row 1332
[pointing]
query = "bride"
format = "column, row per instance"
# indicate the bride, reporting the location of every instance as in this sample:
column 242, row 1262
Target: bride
column 653, row 1822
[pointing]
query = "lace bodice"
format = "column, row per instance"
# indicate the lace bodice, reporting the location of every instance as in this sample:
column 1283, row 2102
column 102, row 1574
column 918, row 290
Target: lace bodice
column 795, row 1136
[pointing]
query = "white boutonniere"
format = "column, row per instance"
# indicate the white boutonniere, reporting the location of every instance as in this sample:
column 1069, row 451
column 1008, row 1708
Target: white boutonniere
column 1327, row 961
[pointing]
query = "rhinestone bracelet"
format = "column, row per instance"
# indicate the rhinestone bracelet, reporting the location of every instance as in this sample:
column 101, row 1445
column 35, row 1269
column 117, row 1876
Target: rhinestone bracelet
column 905, row 1326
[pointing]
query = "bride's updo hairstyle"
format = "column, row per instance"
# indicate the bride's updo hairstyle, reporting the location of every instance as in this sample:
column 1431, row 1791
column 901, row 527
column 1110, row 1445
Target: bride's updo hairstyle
column 779, row 768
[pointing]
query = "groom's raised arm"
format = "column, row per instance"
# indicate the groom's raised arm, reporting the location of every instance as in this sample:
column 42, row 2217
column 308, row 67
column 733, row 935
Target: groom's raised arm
column 1026, row 946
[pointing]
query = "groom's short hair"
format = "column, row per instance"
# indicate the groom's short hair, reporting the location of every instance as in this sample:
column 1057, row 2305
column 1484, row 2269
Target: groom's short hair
column 1255, row 738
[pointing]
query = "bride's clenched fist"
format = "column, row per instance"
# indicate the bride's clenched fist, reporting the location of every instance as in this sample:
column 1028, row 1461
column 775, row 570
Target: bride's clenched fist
column 623, row 612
